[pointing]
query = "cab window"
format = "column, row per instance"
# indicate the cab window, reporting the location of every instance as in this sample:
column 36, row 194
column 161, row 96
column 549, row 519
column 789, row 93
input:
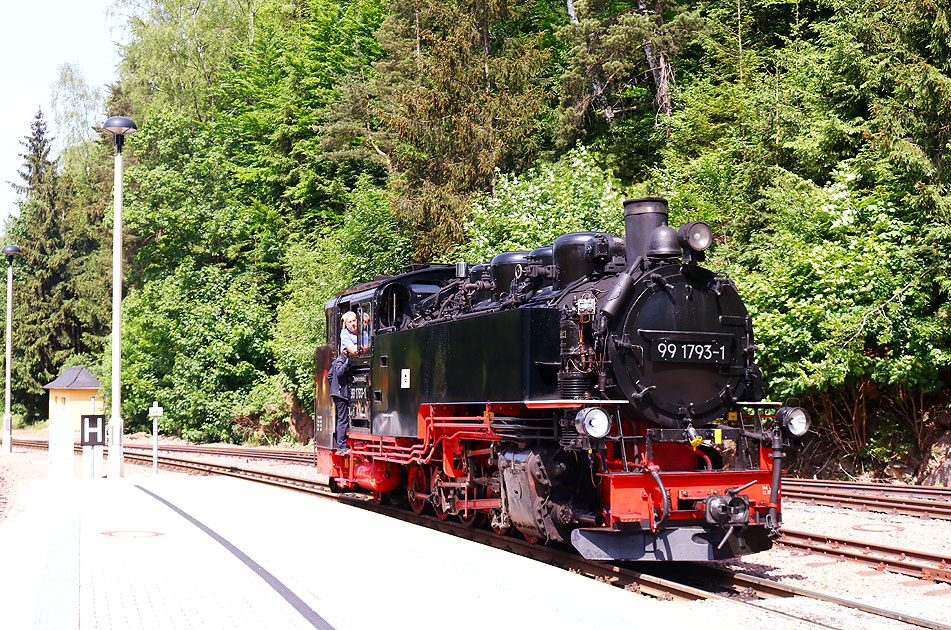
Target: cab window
column 365, row 324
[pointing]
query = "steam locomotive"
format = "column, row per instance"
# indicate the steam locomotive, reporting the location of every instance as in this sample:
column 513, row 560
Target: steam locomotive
column 599, row 391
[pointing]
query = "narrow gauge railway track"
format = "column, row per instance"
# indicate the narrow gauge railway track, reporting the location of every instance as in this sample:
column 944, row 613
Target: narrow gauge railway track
column 272, row 454
column 919, row 564
column 736, row 583
column 921, row 501
column 742, row 583
column 878, row 489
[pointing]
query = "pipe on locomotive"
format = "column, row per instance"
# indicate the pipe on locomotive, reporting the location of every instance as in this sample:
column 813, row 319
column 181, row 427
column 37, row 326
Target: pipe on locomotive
column 777, row 455
column 775, row 440
column 665, row 498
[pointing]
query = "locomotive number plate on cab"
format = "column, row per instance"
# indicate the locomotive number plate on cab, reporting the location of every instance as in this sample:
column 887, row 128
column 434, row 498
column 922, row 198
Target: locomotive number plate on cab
column 690, row 351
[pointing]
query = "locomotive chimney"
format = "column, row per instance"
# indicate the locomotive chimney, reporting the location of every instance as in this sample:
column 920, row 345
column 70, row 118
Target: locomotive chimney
column 641, row 216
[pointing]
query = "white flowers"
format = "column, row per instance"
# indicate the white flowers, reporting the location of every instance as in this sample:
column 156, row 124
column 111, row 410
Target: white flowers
column 528, row 211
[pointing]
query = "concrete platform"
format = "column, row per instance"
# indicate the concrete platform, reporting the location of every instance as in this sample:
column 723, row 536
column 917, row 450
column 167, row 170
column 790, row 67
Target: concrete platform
column 177, row 551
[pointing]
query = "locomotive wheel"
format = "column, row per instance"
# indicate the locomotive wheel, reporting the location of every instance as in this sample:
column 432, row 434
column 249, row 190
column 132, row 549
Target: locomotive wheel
column 532, row 540
column 416, row 490
column 380, row 498
column 434, row 496
column 469, row 519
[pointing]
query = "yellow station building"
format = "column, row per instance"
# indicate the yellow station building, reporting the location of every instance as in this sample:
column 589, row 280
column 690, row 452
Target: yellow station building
column 73, row 393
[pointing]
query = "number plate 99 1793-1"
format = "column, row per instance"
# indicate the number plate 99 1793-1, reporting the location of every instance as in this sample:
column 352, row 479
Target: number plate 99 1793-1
column 690, row 351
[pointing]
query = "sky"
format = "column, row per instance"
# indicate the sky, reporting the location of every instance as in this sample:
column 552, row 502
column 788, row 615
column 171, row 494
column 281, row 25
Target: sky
column 36, row 38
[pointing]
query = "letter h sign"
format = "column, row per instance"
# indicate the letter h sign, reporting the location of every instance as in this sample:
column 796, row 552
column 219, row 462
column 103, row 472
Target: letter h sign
column 94, row 430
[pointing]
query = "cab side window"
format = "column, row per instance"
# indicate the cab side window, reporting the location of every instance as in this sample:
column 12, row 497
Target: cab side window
column 365, row 323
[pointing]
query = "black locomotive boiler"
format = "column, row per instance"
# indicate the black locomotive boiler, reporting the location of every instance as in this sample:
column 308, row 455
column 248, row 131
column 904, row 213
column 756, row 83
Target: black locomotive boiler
column 599, row 391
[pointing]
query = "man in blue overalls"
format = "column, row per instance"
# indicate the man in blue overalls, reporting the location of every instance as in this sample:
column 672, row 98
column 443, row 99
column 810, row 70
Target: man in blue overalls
column 340, row 377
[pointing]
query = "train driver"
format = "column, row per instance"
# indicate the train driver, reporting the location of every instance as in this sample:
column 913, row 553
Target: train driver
column 348, row 334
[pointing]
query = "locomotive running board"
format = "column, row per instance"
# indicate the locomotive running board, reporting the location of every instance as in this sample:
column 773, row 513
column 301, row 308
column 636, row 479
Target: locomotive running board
column 570, row 402
column 681, row 543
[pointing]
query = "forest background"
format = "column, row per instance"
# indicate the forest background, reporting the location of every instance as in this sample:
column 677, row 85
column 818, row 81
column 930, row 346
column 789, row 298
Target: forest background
column 290, row 148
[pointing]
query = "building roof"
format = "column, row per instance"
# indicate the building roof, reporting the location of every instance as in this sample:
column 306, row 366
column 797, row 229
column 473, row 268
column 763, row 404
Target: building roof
column 76, row 377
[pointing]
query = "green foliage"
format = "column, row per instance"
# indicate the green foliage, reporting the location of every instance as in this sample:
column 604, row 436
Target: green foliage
column 315, row 273
column 619, row 63
column 370, row 242
column 572, row 195
column 817, row 153
column 180, row 204
column 275, row 96
column 890, row 442
column 288, row 150
column 196, row 341
column 176, row 50
column 456, row 94
column 374, row 241
column 840, row 295
column 261, row 416
column 77, row 110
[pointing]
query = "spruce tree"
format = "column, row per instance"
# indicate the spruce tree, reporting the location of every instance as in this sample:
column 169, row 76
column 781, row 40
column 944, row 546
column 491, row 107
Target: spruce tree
column 39, row 172
column 36, row 312
column 61, row 288
column 456, row 95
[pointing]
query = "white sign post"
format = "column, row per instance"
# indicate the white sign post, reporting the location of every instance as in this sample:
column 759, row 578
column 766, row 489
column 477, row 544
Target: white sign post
column 93, row 440
column 155, row 412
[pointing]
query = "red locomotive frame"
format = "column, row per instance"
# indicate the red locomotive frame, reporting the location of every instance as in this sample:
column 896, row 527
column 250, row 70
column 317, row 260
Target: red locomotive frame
column 382, row 465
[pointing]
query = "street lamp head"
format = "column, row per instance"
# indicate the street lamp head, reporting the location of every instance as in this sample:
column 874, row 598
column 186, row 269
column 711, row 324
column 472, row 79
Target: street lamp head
column 119, row 126
column 10, row 251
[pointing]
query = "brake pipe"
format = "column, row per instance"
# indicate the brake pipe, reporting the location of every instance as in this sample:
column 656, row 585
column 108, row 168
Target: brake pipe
column 653, row 470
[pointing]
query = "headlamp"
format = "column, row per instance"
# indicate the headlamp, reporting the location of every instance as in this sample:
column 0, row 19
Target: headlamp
column 794, row 419
column 593, row 422
column 696, row 235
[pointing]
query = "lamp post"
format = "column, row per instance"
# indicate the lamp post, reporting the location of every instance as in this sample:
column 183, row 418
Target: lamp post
column 10, row 251
column 118, row 126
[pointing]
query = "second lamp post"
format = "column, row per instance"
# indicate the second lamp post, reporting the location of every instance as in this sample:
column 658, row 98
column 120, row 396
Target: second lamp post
column 10, row 251
column 118, row 126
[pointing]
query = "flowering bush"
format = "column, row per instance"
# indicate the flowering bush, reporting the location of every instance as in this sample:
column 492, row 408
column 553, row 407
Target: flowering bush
column 573, row 194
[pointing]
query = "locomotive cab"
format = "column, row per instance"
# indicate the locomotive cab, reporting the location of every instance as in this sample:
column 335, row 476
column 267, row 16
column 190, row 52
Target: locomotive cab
column 362, row 304
column 383, row 306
